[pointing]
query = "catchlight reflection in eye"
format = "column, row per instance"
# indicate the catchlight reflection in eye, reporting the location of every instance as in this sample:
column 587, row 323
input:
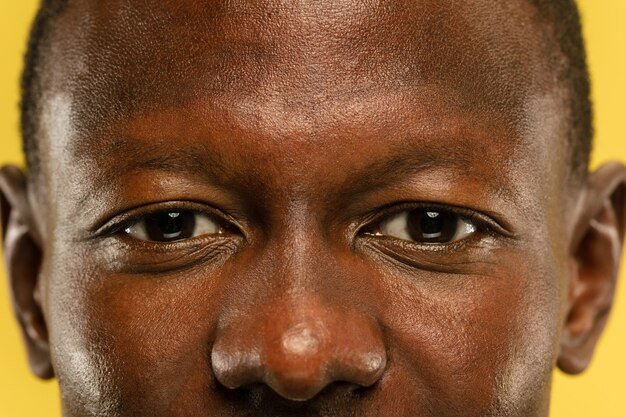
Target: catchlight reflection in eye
column 426, row 226
column 172, row 226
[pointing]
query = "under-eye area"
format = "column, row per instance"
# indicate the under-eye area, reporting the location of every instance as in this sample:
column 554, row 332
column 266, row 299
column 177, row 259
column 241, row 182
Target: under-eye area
column 433, row 236
column 167, row 236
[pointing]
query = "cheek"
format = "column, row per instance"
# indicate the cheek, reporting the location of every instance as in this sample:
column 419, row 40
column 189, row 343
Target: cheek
column 130, row 343
column 476, row 345
column 480, row 344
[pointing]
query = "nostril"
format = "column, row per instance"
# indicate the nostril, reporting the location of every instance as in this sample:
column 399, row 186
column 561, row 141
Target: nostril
column 298, row 359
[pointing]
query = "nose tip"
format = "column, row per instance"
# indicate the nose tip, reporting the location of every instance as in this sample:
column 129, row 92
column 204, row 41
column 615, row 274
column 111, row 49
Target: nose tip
column 302, row 358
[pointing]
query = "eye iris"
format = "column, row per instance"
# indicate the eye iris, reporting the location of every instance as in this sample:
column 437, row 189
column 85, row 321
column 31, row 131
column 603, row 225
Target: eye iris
column 432, row 226
column 165, row 227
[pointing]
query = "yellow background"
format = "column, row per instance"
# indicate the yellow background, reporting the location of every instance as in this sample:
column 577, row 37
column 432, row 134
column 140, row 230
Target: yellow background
column 600, row 392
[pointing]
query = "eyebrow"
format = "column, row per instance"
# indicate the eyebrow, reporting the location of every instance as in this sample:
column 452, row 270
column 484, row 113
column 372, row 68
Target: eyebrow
column 453, row 150
column 403, row 164
column 185, row 159
column 197, row 158
column 161, row 156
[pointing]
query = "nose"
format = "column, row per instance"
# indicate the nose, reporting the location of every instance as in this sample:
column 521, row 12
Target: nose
column 298, row 352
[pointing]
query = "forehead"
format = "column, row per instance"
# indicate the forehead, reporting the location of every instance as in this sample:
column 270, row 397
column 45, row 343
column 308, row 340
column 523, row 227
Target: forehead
column 120, row 56
column 467, row 80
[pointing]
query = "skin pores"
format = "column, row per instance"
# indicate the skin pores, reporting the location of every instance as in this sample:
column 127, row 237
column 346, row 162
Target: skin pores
column 296, row 134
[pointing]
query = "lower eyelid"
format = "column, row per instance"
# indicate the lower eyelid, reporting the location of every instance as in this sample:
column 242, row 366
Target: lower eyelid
column 135, row 256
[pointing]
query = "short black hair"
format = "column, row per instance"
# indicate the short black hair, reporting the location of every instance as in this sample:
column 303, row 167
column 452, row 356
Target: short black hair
column 563, row 15
column 565, row 19
column 32, row 83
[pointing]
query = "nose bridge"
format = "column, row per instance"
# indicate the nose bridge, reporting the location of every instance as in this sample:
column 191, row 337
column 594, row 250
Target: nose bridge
column 298, row 347
column 297, row 327
column 297, row 251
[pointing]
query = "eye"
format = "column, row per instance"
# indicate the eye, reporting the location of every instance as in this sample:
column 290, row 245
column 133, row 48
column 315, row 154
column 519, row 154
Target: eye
column 430, row 226
column 170, row 226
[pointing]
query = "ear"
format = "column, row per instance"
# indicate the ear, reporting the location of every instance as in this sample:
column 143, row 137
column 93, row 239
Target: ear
column 595, row 255
column 22, row 256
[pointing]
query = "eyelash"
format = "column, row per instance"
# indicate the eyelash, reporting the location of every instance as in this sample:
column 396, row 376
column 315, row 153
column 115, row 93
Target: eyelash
column 119, row 223
column 483, row 223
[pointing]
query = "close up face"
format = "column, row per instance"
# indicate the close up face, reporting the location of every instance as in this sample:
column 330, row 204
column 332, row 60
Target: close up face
column 305, row 208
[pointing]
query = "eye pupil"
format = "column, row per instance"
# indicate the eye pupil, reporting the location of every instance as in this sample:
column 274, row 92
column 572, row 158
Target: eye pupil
column 432, row 226
column 164, row 227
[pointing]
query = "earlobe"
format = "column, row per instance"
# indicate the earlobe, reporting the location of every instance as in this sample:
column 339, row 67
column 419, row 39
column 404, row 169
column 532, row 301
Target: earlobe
column 22, row 257
column 595, row 258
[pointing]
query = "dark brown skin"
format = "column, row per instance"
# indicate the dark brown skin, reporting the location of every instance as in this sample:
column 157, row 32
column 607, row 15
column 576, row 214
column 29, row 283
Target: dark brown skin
column 297, row 131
